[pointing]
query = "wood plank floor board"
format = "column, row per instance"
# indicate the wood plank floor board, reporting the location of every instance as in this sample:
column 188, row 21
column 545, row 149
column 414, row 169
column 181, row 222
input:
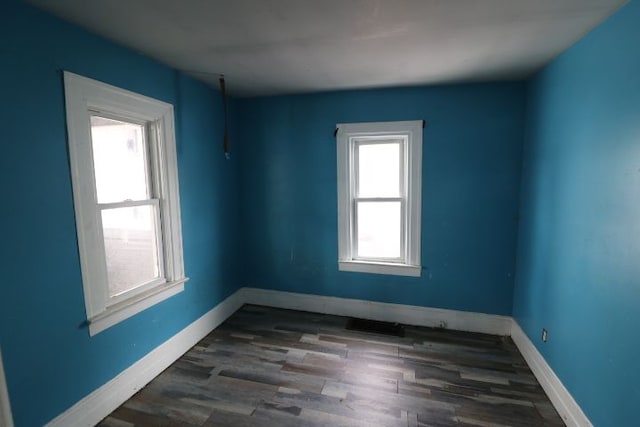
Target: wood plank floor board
column 139, row 418
column 385, row 398
column 285, row 379
column 274, row 367
column 115, row 422
column 361, row 410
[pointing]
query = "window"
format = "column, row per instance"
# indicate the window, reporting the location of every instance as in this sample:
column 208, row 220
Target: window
column 125, row 187
column 379, row 197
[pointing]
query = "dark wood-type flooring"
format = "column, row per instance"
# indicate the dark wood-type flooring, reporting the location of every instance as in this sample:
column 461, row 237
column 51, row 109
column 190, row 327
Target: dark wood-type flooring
column 271, row 367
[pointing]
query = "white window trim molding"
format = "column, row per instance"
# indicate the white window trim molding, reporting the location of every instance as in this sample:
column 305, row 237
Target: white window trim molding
column 81, row 96
column 346, row 133
column 6, row 419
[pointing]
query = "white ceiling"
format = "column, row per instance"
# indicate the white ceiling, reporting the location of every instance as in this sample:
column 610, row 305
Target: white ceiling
column 289, row 46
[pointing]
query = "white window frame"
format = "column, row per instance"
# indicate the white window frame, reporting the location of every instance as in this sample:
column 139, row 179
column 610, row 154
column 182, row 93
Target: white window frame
column 349, row 135
column 86, row 97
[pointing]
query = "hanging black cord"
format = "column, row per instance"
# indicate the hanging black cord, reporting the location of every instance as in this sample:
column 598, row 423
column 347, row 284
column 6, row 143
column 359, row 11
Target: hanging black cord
column 225, row 143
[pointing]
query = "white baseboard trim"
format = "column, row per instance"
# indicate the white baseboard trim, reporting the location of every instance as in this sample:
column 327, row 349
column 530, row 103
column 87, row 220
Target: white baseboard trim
column 5, row 408
column 560, row 397
column 399, row 313
column 104, row 400
column 96, row 406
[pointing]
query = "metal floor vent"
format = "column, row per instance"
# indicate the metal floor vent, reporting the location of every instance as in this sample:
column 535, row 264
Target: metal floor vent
column 375, row 327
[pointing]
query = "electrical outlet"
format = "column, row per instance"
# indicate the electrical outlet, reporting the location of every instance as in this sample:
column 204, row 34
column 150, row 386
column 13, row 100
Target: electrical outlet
column 544, row 335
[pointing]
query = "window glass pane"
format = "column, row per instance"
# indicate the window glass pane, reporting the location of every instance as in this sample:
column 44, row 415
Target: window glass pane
column 379, row 229
column 119, row 160
column 131, row 247
column 379, row 170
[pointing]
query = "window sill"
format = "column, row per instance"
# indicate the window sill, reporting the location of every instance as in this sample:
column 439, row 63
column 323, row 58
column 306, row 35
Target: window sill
column 125, row 309
column 380, row 268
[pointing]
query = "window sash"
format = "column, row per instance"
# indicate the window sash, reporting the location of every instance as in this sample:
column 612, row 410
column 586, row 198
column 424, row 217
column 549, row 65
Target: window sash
column 149, row 147
column 354, row 230
column 155, row 203
column 152, row 182
column 357, row 142
column 354, row 177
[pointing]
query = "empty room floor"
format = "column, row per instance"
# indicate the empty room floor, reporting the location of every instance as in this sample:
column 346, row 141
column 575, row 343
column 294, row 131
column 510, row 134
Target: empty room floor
column 272, row 367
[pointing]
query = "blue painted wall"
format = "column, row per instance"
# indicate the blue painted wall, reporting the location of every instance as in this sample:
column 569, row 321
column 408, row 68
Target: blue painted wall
column 578, row 271
column 50, row 360
column 471, row 166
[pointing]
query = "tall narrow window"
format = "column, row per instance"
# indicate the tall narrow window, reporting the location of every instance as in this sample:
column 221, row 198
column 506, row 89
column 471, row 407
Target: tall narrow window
column 124, row 171
column 379, row 197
